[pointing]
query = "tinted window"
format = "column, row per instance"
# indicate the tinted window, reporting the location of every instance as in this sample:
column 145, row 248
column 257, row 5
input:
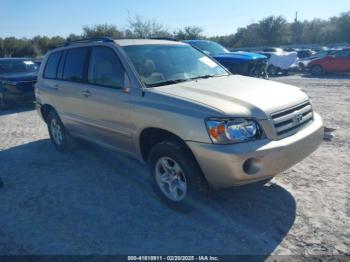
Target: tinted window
column 74, row 64
column 105, row 68
column 61, row 65
column 51, row 65
column 345, row 53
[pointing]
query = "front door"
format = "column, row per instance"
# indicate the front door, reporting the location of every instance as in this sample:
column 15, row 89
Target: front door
column 105, row 109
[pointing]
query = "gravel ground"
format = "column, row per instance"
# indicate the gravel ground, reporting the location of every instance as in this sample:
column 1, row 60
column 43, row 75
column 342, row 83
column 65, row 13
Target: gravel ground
column 94, row 201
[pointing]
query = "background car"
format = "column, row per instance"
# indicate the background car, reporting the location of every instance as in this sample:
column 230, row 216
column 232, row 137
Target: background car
column 336, row 62
column 304, row 53
column 279, row 61
column 242, row 63
column 17, row 79
column 304, row 62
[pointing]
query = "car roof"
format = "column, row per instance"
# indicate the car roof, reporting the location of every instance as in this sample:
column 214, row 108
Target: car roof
column 132, row 42
column 198, row 41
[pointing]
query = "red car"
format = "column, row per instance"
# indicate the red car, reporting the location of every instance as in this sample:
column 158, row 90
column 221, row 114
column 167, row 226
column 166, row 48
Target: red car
column 337, row 62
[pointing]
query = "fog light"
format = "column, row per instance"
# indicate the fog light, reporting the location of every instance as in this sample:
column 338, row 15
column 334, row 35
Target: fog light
column 252, row 166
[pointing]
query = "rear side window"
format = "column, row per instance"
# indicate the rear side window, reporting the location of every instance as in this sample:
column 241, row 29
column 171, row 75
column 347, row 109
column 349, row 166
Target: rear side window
column 345, row 53
column 105, row 68
column 74, row 64
column 52, row 65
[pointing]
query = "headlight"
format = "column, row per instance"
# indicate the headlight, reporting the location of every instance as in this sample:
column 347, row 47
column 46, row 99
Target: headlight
column 8, row 83
column 230, row 131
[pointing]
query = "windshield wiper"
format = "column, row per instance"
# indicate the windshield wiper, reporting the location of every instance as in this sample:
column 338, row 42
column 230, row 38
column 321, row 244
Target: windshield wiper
column 171, row 82
column 168, row 82
column 205, row 77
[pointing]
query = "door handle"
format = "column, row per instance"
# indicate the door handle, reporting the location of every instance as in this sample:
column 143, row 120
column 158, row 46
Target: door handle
column 86, row 93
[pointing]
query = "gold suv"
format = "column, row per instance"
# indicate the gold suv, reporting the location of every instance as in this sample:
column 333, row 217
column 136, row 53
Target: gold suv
column 171, row 106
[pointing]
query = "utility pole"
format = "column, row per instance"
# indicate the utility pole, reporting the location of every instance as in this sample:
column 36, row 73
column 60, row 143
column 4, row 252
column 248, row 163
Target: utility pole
column 296, row 17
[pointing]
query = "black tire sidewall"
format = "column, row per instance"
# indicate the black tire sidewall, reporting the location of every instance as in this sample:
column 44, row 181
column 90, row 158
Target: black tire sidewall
column 318, row 72
column 272, row 70
column 195, row 183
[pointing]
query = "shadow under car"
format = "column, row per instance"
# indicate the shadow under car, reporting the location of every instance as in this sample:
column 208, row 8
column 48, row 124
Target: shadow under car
column 94, row 201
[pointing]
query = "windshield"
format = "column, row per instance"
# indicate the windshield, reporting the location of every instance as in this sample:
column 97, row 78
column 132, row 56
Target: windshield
column 168, row 64
column 9, row 66
column 210, row 48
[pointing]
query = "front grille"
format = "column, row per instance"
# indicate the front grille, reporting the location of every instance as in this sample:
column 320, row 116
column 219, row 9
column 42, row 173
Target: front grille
column 289, row 121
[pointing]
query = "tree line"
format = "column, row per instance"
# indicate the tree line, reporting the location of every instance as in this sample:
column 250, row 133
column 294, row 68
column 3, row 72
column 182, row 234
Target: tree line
column 270, row 31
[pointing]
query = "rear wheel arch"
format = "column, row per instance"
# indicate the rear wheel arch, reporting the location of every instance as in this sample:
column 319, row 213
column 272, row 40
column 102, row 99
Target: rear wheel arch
column 45, row 111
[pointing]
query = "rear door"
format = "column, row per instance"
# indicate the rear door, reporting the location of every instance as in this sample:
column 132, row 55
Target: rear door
column 340, row 61
column 69, row 87
column 105, row 109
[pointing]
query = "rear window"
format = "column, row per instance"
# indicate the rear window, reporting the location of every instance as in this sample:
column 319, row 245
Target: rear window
column 52, row 64
column 74, row 64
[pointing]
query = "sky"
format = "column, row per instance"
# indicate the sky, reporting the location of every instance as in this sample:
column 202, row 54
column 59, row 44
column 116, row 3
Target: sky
column 28, row 18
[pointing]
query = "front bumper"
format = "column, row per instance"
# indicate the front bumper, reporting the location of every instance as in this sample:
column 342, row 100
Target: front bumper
column 233, row 165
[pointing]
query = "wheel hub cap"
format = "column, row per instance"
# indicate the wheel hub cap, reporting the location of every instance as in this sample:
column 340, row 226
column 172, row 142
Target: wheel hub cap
column 56, row 132
column 171, row 179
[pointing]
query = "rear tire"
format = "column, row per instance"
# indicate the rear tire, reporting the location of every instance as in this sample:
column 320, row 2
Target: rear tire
column 317, row 70
column 59, row 136
column 177, row 178
column 272, row 70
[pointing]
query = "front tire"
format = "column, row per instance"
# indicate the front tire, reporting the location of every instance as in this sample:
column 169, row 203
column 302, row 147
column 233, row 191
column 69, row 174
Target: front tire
column 178, row 180
column 317, row 70
column 59, row 136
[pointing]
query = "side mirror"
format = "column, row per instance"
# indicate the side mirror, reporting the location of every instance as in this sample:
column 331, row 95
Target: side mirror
column 127, row 84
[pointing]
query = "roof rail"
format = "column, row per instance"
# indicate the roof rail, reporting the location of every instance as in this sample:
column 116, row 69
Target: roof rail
column 86, row 40
column 164, row 38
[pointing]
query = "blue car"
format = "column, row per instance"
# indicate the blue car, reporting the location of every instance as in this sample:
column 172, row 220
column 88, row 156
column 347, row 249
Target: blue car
column 17, row 79
column 242, row 63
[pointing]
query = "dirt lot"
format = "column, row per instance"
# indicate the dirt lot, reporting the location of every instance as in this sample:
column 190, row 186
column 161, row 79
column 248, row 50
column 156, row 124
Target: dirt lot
column 94, row 201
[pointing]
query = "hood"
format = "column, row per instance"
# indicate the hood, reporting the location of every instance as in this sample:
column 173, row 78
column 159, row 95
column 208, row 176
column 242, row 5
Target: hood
column 237, row 95
column 242, row 57
column 19, row 77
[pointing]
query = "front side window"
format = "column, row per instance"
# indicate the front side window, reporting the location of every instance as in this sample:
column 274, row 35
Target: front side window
column 74, row 64
column 343, row 54
column 105, row 68
column 52, row 65
column 167, row 64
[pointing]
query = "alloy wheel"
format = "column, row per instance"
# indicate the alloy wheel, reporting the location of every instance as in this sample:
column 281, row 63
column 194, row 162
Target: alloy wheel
column 171, row 179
